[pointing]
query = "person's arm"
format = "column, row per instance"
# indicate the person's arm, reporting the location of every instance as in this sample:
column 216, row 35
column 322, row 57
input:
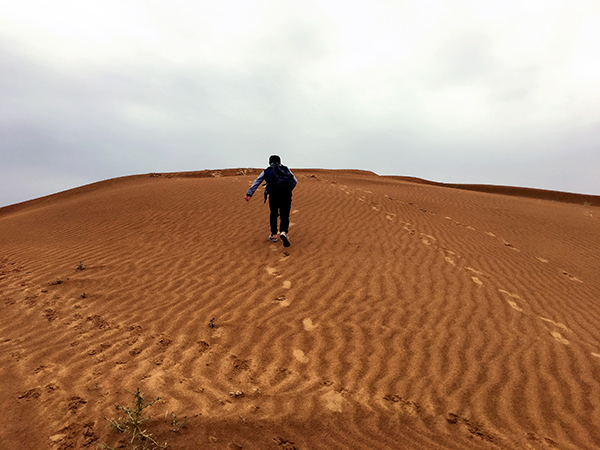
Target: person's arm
column 255, row 186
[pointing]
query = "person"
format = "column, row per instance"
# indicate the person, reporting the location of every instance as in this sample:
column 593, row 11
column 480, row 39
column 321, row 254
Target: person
column 280, row 182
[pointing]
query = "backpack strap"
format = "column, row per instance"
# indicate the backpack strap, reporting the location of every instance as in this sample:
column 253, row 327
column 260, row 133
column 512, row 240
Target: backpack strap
column 268, row 178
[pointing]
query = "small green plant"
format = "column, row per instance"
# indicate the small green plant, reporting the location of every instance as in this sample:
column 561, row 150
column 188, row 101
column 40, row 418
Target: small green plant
column 176, row 426
column 133, row 423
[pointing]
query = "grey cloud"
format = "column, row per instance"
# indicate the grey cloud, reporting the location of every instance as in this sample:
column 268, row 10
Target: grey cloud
column 85, row 121
column 465, row 59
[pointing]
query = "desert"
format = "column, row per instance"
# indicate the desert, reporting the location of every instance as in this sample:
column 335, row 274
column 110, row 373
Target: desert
column 406, row 315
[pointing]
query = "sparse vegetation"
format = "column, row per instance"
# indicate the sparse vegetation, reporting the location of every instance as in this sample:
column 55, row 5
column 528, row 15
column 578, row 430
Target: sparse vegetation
column 80, row 266
column 175, row 425
column 132, row 422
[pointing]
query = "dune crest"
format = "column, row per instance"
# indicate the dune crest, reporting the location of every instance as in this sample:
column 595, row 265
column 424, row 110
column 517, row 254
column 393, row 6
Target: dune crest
column 405, row 315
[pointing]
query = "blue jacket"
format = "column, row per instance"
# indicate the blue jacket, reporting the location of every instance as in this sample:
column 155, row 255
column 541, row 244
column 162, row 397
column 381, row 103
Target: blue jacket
column 267, row 176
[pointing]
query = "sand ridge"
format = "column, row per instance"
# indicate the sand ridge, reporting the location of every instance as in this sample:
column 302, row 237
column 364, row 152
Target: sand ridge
column 405, row 315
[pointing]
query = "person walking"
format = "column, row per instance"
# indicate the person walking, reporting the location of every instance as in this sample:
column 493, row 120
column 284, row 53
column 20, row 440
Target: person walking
column 280, row 182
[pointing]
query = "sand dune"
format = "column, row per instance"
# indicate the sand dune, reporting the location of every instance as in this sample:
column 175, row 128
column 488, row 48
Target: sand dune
column 405, row 315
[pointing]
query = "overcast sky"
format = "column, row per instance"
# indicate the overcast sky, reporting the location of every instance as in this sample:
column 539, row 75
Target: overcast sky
column 495, row 92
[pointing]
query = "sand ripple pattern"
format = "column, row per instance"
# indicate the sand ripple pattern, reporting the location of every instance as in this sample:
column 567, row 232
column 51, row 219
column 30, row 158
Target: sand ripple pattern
column 403, row 316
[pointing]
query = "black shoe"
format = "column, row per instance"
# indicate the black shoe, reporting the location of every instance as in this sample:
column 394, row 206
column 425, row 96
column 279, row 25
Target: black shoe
column 285, row 239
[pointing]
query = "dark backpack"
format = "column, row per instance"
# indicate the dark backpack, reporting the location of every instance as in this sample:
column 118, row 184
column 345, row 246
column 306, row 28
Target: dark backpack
column 282, row 180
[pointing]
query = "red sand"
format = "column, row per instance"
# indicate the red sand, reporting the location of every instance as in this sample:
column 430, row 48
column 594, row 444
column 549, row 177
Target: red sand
column 406, row 314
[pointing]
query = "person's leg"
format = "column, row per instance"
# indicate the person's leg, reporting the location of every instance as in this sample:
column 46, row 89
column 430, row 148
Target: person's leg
column 274, row 206
column 285, row 206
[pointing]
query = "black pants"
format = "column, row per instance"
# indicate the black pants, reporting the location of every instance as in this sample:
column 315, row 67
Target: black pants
column 280, row 204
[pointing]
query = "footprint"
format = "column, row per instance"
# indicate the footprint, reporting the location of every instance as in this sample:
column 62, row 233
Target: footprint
column 272, row 271
column 282, row 300
column 410, row 408
column 427, row 239
column 287, row 284
column 597, row 355
column 509, row 245
column 544, row 260
column 296, row 211
column 333, row 400
column 308, row 324
column 477, row 281
column 556, row 324
column 474, row 270
column 556, row 335
column 571, row 277
column 534, row 437
column 514, row 306
column 450, row 260
column 509, row 294
column 489, row 233
column 512, row 303
column 300, row 356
